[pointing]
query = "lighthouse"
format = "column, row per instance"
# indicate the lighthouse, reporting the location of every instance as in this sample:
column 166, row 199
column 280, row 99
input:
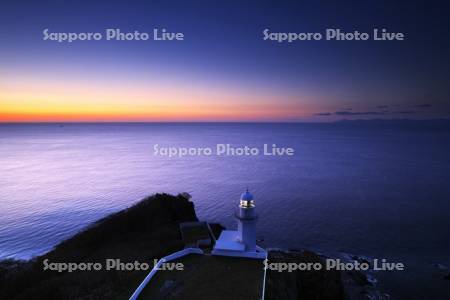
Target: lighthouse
column 241, row 242
column 246, row 217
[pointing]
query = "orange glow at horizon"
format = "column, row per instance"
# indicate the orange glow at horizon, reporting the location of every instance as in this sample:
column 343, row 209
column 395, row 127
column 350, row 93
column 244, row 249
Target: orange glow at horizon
column 156, row 114
column 56, row 101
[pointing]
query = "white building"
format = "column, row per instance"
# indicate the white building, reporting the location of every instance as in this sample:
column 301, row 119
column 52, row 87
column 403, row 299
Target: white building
column 241, row 242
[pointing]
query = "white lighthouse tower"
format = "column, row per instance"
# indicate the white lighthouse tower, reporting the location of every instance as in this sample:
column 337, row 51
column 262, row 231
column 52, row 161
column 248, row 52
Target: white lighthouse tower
column 246, row 216
column 241, row 242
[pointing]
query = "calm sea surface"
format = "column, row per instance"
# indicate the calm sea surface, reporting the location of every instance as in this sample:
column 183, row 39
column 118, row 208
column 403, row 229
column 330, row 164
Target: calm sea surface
column 378, row 191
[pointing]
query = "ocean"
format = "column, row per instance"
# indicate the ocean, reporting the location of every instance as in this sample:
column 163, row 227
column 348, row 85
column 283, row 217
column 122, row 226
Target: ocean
column 370, row 188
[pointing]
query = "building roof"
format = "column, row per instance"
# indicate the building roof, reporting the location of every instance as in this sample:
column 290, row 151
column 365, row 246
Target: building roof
column 195, row 233
column 228, row 241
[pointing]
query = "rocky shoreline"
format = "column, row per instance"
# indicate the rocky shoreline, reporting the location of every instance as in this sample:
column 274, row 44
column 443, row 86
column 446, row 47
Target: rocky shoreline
column 149, row 230
column 313, row 284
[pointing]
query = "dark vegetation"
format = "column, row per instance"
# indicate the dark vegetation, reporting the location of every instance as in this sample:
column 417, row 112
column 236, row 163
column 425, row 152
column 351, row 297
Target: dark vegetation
column 302, row 284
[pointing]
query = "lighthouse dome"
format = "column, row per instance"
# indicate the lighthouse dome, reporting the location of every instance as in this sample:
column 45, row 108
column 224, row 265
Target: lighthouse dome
column 247, row 196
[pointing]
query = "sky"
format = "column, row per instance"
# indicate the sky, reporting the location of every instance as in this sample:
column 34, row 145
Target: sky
column 223, row 70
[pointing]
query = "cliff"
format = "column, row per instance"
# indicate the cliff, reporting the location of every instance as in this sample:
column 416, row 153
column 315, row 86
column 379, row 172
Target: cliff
column 142, row 232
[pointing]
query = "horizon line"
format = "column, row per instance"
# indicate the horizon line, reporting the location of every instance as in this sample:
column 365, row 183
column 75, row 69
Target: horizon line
column 223, row 122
